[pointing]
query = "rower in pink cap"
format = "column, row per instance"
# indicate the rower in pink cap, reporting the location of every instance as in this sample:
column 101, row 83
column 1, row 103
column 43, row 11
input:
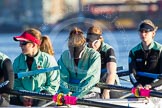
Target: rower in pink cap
column 32, row 58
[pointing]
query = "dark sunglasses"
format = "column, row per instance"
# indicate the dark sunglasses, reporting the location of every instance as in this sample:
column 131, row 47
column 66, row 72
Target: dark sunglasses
column 145, row 31
column 24, row 42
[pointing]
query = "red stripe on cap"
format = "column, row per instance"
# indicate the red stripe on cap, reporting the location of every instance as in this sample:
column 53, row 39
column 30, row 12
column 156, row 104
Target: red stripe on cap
column 27, row 36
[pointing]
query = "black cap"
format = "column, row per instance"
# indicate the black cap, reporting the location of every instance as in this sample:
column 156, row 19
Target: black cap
column 146, row 27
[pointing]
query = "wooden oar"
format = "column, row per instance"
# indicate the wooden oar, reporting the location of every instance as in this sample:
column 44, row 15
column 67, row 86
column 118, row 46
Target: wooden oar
column 35, row 72
column 142, row 92
column 65, row 100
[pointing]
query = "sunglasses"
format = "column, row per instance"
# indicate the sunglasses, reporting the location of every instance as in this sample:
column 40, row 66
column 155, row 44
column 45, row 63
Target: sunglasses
column 24, row 43
column 144, row 31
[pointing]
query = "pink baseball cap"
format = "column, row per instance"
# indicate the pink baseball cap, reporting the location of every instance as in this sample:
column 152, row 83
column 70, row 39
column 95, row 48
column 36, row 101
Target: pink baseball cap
column 27, row 37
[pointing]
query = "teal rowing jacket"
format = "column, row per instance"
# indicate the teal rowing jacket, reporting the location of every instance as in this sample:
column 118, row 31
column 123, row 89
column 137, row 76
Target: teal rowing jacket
column 81, row 79
column 49, row 81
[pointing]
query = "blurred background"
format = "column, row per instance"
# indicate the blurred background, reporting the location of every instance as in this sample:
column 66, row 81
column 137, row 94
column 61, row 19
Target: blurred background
column 119, row 20
column 16, row 15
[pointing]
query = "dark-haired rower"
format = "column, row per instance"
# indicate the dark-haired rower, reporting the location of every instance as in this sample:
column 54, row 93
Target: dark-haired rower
column 6, row 74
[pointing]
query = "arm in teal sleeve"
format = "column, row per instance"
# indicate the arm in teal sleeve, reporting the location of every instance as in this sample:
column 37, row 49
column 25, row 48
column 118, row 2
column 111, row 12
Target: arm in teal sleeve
column 17, row 82
column 52, row 83
column 53, row 78
column 64, row 75
column 92, row 78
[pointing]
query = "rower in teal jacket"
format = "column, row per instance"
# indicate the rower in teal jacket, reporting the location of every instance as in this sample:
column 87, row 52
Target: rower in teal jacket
column 95, row 40
column 31, row 59
column 80, row 67
column 37, row 83
column 146, row 57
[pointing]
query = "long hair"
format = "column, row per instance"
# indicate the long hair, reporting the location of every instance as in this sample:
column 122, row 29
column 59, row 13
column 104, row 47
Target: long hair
column 76, row 37
column 46, row 45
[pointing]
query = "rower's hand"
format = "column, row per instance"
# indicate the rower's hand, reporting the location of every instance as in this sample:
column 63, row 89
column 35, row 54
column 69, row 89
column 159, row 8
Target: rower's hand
column 147, row 86
column 139, row 86
column 106, row 94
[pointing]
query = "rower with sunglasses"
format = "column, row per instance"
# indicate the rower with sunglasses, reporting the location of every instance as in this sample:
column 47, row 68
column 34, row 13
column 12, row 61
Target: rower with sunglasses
column 32, row 58
column 146, row 57
column 108, row 60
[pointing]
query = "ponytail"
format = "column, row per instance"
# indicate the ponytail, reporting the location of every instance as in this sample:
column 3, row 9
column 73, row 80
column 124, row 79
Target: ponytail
column 46, row 45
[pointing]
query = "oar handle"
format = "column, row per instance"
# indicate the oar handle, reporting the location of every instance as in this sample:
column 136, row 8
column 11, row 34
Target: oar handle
column 60, row 99
column 150, row 75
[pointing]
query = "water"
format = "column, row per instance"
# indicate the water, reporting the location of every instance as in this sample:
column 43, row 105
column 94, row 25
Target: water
column 122, row 41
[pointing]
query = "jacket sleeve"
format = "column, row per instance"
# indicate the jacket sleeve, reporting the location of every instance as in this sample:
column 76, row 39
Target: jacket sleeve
column 53, row 78
column 17, row 82
column 158, row 82
column 8, row 72
column 64, row 74
column 132, row 69
column 92, row 77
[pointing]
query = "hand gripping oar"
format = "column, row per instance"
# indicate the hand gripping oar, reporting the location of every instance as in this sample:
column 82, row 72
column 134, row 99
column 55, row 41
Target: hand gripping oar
column 137, row 92
column 150, row 75
column 59, row 99
column 30, row 73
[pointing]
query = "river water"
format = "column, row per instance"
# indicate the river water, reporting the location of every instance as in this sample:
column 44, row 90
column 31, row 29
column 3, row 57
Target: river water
column 122, row 41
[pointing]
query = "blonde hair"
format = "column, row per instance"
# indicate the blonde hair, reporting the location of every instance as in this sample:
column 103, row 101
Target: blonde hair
column 76, row 37
column 94, row 30
column 149, row 22
column 36, row 33
column 46, row 45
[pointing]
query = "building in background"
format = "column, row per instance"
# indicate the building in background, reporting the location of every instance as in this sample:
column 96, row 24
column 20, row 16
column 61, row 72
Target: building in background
column 16, row 15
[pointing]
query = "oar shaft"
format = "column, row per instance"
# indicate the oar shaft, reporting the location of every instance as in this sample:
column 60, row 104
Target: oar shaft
column 114, row 87
column 156, row 94
column 49, row 97
column 34, row 95
column 35, row 72
column 99, row 104
column 149, row 75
